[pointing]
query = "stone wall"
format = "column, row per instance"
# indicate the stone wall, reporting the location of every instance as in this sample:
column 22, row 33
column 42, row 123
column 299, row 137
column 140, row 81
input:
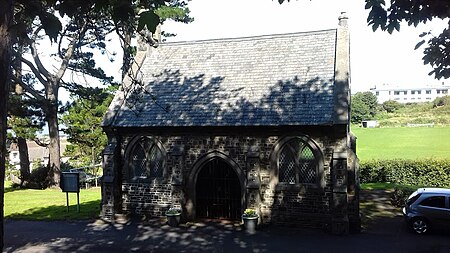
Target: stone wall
column 151, row 199
column 253, row 155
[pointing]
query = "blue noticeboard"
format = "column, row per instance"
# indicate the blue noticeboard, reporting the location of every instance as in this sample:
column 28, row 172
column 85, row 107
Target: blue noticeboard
column 70, row 182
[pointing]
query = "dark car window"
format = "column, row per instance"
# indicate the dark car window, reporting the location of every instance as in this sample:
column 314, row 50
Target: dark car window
column 413, row 198
column 435, row 201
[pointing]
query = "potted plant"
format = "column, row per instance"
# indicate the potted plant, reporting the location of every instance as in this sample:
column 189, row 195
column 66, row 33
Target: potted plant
column 250, row 219
column 173, row 216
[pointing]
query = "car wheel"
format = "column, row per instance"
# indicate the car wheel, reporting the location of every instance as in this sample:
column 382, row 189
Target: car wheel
column 420, row 226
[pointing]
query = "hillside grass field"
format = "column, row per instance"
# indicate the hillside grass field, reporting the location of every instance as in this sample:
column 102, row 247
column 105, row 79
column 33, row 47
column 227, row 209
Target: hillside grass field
column 402, row 143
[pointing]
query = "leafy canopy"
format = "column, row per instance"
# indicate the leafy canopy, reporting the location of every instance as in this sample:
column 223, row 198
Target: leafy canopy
column 388, row 17
column 363, row 106
column 83, row 120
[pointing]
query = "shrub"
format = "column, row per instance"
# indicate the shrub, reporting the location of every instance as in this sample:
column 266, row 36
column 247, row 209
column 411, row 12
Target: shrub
column 400, row 194
column 441, row 101
column 391, row 106
column 250, row 213
column 174, row 210
column 66, row 166
column 39, row 178
column 427, row 172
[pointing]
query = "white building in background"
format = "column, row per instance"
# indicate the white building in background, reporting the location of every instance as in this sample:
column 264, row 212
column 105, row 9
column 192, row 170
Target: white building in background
column 36, row 153
column 409, row 94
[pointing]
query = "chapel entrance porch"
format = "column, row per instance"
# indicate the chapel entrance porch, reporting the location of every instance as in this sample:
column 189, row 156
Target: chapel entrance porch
column 218, row 191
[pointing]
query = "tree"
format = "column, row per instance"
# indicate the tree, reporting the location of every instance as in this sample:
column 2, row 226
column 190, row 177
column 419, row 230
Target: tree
column 369, row 99
column 25, row 118
column 85, row 29
column 80, row 32
column 120, row 11
column 83, row 120
column 388, row 18
column 359, row 111
column 363, row 106
column 391, row 106
column 6, row 11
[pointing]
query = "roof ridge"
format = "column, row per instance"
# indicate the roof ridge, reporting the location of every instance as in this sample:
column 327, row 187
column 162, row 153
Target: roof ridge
column 255, row 37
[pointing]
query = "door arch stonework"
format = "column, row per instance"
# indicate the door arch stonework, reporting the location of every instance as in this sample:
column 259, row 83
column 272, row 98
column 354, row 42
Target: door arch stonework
column 191, row 200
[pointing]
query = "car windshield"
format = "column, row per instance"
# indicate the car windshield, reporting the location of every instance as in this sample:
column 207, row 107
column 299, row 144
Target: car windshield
column 413, row 197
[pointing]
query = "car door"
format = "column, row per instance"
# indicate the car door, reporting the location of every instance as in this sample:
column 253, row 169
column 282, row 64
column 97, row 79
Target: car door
column 435, row 209
column 447, row 213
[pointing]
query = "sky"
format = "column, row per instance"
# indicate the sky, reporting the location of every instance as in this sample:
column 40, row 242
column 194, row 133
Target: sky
column 377, row 58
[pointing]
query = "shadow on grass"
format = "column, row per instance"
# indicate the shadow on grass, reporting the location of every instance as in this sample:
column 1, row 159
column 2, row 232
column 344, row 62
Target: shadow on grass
column 12, row 188
column 88, row 210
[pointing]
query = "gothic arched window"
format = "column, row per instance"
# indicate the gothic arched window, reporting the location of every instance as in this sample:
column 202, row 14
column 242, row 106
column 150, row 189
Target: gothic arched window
column 297, row 163
column 146, row 159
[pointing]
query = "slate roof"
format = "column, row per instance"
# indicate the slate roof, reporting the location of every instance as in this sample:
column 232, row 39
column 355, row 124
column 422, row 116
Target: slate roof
column 254, row 81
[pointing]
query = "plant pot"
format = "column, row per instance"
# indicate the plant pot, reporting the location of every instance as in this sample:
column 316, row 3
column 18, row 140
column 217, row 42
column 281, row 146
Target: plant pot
column 250, row 224
column 173, row 219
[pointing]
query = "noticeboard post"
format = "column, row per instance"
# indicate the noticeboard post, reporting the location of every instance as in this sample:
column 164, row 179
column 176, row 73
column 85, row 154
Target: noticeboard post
column 70, row 182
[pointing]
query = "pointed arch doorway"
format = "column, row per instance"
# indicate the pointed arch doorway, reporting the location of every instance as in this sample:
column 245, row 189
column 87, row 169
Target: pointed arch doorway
column 218, row 191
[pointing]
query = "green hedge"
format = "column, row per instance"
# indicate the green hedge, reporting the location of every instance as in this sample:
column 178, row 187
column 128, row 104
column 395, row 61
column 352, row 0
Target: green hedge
column 425, row 172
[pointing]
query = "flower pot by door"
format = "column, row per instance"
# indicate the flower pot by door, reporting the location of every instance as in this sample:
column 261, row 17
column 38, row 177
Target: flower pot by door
column 250, row 224
column 173, row 219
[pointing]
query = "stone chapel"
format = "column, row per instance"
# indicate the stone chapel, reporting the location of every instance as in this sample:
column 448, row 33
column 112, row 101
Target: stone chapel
column 218, row 126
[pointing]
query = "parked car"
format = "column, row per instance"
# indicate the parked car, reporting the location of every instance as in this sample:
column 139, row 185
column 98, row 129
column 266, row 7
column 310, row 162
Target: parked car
column 428, row 208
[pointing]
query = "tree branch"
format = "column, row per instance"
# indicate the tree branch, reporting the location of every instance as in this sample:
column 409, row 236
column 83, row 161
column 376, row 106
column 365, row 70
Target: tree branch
column 34, row 70
column 27, row 88
column 40, row 143
column 70, row 51
column 36, row 58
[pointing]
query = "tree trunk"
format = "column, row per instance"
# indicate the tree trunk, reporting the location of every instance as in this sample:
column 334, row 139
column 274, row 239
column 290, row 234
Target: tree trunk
column 6, row 12
column 24, row 160
column 54, row 145
column 127, row 57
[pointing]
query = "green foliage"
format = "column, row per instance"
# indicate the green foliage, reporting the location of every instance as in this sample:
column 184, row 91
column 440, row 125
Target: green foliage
column 441, row 101
column 359, row 111
column 148, row 19
column 25, row 116
column 84, row 31
column 436, row 112
column 83, row 121
column 378, row 186
column 39, row 178
column 250, row 213
column 389, row 17
column 391, row 106
column 424, row 172
column 174, row 210
column 401, row 194
column 178, row 13
column 363, row 106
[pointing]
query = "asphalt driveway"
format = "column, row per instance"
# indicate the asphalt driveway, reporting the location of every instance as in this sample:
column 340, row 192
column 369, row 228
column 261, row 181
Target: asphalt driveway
column 384, row 232
column 387, row 235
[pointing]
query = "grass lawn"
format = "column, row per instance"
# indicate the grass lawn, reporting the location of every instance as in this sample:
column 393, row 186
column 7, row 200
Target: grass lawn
column 50, row 204
column 402, row 143
column 378, row 186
